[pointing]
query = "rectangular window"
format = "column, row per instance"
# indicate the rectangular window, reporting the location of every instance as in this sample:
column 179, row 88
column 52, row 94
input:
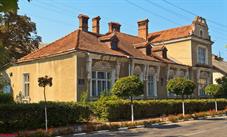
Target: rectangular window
column 201, row 55
column 26, row 80
column 151, row 86
column 101, row 81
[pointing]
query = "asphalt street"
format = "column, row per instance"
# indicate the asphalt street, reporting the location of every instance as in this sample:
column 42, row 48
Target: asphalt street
column 199, row 128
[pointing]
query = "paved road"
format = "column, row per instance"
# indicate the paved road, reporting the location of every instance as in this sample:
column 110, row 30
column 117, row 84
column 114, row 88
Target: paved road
column 200, row 128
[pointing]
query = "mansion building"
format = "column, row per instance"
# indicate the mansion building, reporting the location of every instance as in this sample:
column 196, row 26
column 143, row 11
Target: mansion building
column 87, row 61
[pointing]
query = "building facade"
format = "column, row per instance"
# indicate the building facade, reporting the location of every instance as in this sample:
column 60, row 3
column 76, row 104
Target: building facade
column 87, row 61
column 219, row 68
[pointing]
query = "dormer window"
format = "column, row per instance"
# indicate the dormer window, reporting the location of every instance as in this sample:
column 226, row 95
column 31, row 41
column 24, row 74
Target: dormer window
column 148, row 50
column 114, row 43
column 164, row 54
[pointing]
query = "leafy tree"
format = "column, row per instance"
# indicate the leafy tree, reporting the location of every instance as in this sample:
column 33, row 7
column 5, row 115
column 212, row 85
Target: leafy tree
column 18, row 36
column 128, row 87
column 181, row 87
column 213, row 90
column 43, row 82
column 223, row 83
column 8, row 6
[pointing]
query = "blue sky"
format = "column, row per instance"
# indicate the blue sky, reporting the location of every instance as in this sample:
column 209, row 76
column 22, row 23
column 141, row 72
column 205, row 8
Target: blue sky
column 56, row 18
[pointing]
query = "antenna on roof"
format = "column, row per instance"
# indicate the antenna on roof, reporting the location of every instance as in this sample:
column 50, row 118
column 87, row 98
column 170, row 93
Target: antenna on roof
column 219, row 54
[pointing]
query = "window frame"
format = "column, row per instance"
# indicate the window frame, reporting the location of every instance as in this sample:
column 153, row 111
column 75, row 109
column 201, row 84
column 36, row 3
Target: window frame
column 26, row 82
column 107, row 80
column 202, row 60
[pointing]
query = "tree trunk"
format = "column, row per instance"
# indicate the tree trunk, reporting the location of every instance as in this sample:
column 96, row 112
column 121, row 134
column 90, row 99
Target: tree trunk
column 183, row 108
column 44, row 93
column 132, row 110
column 216, row 105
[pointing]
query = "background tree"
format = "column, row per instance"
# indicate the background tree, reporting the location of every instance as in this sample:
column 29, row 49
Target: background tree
column 18, row 36
column 43, row 82
column 181, row 87
column 213, row 90
column 128, row 87
column 223, row 83
column 8, row 6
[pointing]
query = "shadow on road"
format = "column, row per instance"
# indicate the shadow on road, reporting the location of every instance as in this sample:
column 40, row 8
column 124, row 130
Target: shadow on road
column 214, row 119
column 167, row 126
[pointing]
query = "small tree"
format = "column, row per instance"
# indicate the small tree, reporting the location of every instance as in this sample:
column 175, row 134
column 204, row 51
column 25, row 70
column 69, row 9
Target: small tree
column 43, row 82
column 181, row 87
column 128, row 87
column 213, row 90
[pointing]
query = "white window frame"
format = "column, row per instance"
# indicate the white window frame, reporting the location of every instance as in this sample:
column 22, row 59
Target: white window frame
column 26, row 94
column 96, row 79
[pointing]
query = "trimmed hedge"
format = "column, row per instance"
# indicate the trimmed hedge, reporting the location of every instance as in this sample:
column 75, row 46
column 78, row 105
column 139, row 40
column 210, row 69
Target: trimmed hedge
column 115, row 110
column 6, row 98
column 16, row 117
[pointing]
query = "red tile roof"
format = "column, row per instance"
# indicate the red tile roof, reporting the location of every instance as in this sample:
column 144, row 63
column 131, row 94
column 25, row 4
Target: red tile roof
column 91, row 42
column 170, row 34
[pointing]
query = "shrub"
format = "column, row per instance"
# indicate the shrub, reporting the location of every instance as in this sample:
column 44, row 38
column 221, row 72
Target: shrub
column 116, row 110
column 6, row 98
column 16, row 117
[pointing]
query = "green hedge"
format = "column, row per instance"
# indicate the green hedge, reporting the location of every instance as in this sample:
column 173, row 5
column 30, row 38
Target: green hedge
column 6, row 98
column 15, row 117
column 115, row 110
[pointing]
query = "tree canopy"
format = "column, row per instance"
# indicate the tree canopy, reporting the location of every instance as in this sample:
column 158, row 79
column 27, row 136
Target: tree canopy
column 223, row 83
column 18, row 37
column 8, row 6
column 213, row 89
column 126, row 87
column 181, row 86
column 44, row 81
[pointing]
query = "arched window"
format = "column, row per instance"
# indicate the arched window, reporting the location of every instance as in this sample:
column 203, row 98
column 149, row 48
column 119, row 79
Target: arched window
column 151, row 83
column 201, row 33
column 101, row 77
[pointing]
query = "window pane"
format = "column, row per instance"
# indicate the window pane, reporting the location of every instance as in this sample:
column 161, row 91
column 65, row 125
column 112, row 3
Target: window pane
column 101, row 75
column 93, row 88
column 99, row 87
column 93, row 74
column 26, row 90
column 103, row 86
column 108, row 85
column 151, row 85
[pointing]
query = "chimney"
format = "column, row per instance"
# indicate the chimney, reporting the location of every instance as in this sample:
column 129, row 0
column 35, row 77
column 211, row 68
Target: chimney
column 143, row 28
column 83, row 22
column 114, row 26
column 95, row 24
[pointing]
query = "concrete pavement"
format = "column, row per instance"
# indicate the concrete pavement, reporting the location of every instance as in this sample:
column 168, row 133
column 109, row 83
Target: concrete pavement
column 216, row 127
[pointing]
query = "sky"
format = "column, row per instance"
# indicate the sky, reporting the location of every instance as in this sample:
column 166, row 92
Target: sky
column 56, row 18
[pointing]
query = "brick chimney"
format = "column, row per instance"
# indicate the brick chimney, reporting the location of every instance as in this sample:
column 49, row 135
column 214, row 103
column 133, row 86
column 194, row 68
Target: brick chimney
column 114, row 26
column 95, row 24
column 143, row 28
column 83, row 22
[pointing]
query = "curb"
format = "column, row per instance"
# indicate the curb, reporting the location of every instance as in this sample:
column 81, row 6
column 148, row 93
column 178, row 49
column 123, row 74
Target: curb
column 154, row 125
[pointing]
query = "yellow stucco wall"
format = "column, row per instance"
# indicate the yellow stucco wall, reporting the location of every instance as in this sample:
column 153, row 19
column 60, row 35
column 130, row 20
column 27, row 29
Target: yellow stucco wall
column 61, row 68
column 180, row 51
column 216, row 75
